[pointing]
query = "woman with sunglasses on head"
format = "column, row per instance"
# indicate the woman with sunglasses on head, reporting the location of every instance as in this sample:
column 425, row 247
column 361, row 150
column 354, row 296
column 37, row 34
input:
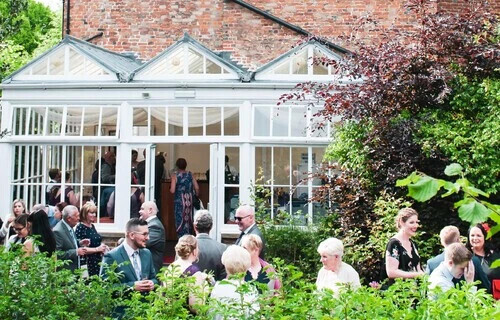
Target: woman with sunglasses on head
column 86, row 230
column 20, row 226
column 7, row 229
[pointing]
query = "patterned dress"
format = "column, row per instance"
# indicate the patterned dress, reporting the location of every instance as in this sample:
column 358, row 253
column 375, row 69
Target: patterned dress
column 398, row 252
column 183, row 203
column 93, row 260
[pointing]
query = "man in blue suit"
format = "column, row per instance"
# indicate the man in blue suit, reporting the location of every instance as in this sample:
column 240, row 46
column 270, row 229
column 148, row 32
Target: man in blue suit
column 449, row 235
column 135, row 262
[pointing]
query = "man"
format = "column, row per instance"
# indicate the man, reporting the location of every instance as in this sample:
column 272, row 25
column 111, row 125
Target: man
column 245, row 218
column 156, row 242
column 55, row 178
column 457, row 263
column 66, row 243
column 448, row 236
column 135, row 262
column 209, row 251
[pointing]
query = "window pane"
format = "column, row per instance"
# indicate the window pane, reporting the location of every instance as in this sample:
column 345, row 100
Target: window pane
column 73, row 121
column 231, row 203
column 318, row 67
column 298, row 127
column 76, row 63
column 91, row 121
column 262, row 165
column 175, row 120
column 140, row 121
column 317, row 124
column 195, row 62
column 281, row 201
column 213, row 68
column 19, row 123
column 91, row 165
column 195, row 121
column 280, row 122
column 56, row 63
column 158, row 121
column 232, row 165
column 281, row 166
column 54, row 120
column 93, row 69
column 262, row 121
column 284, row 68
column 37, row 121
column 231, row 121
column 300, row 205
column 299, row 164
column 175, row 63
column 40, row 68
column 317, row 157
column 213, row 121
column 159, row 68
column 108, row 121
column 299, row 63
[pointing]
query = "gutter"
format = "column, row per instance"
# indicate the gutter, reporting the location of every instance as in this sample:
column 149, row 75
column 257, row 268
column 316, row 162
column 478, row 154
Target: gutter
column 288, row 25
column 67, row 16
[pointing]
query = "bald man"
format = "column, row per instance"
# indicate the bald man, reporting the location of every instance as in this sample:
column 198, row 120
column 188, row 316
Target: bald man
column 156, row 242
column 245, row 218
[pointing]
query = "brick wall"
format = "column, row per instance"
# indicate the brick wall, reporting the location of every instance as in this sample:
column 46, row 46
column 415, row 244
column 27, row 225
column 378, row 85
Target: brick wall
column 148, row 27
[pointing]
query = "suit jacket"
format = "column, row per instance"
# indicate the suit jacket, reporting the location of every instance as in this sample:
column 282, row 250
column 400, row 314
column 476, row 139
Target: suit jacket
column 66, row 246
column 156, row 242
column 479, row 274
column 210, row 254
column 125, row 267
column 255, row 230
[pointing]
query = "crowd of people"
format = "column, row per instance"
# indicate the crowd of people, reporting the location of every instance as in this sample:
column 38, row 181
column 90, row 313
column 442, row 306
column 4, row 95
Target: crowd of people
column 212, row 264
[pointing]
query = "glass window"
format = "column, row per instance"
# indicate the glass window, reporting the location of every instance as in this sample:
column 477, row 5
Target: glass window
column 231, row 121
column 231, row 183
column 195, row 62
column 263, row 165
column 195, row 121
column 158, row 121
column 300, row 63
column 262, row 116
column 175, row 64
column 76, row 63
column 213, row 68
column 319, row 66
column 213, row 121
column 175, row 120
column 298, row 125
column 280, row 121
column 56, row 63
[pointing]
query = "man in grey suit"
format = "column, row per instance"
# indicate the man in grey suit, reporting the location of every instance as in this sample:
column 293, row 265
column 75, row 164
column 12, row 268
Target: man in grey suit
column 66, row 243
column 135, row 262
column 156, row 242
column 245, row 218
column 209, row 251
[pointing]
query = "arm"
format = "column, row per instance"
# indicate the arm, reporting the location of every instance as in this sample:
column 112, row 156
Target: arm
column 5, row 227
column 155, row 237
column 391, row 267
column 69, row 254
column 106, row 176
column 196, row 187
column 173, row 182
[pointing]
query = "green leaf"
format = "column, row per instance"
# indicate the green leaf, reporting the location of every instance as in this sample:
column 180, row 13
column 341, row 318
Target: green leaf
column 451, row 187
column 462, row 202
column 491, row 206
column 495, row 264
column 493, row 230
column 412, row 178
column 424, row 189
column 475, row 192
column 495, row 217
column 473, row 212
column 453, row 169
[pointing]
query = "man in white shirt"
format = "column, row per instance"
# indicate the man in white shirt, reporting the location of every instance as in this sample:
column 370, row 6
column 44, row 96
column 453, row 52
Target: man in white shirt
column 457, row 263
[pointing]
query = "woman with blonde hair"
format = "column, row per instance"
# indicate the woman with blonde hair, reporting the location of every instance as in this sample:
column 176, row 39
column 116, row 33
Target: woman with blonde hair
column 259, row 269
column 7, row 229
column 401, row 256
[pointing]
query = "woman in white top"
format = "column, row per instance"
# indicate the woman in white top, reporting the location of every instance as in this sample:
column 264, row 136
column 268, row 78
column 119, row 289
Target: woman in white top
column 334, row 274
column 7, row 229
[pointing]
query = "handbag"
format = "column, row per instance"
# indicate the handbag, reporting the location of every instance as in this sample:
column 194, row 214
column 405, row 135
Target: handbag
column 196, row 202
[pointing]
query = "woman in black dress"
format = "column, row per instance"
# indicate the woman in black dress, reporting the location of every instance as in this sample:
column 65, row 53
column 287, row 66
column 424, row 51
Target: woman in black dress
column 401, row 256
column 86, row 230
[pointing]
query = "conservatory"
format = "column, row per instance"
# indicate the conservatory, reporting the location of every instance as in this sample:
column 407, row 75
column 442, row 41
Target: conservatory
column 73, row 106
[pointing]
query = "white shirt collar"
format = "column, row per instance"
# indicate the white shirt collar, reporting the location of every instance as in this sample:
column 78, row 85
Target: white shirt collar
column 248, row 229
column 67, row 225
column 128, row 249
column 150, row 218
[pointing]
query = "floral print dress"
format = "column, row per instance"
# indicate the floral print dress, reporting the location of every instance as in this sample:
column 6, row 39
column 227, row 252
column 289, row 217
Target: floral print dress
column 183, row 203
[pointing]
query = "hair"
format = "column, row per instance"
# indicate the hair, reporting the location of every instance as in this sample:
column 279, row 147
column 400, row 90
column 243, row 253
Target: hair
column 457, row 253
column 21, row 202
column 37, row 207
column 151, row 204
column 449, row 235
column 133, row 223
column 403, row 216
column 134, row 151
column 247, row 209
column 252, row 242
column 331, row 246
column 61, row 206
column 488, row 245
column 68, row 211
column 53, row 173
column 185, row 246
column 22, row 219
column 86, row 208
column 40, row 227
column 203, row 221
column 181, row 163
column 236, row 260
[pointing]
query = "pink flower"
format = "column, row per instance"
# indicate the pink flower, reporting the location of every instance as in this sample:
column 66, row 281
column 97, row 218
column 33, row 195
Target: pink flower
column 374, row 285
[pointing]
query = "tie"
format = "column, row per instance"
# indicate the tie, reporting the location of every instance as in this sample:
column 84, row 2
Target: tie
column 135, row 263
column 76, row 243
column 239, row 238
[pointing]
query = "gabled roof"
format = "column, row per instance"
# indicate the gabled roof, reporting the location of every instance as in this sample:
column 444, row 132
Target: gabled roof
column 221, row 60
column 119, row 64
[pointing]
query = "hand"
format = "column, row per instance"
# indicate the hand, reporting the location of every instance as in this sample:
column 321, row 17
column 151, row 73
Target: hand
column 81, row 251
column 469, row 272
column 102, row 248
column 10, row 219
column 85, row 242
column 144, row 285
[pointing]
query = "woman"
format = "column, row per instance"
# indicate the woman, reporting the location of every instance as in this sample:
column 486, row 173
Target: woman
column 136, row 198
column 259, row 269
column 185, row 266
column 401, row 256
column 86, row 230
column 335, row 273
column 236, row 260
column 69, row 194
column 7, row 229
column 40, row 231
column 21, row 228
column 183, row 185
column 484, row 250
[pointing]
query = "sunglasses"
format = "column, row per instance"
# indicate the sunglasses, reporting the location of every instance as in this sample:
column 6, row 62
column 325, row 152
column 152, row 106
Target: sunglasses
column 241, row 218
column 19, row 229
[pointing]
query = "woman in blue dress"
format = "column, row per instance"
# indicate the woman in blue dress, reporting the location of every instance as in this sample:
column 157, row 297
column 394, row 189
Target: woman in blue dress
column 183, row 185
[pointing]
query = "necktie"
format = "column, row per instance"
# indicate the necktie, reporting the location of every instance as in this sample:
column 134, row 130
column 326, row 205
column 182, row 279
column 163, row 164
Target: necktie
column 239, row 238
column 135, row 264
column 72, row 232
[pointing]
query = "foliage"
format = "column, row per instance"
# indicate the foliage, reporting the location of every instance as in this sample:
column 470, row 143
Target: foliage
column 468, row 132
column 30, row 29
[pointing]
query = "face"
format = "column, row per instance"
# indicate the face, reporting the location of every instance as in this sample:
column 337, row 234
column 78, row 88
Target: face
column 476, row 238
column 457, row 270
column 410, row 226
column 57, row 213
column 139, row 237
column 21, row 231
column 92, row 215
column 329, row 261
column 134, row 156
column 244, row 220
column 73, row 219
column 253, row 252
column 144, row 212
column 18, row 208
